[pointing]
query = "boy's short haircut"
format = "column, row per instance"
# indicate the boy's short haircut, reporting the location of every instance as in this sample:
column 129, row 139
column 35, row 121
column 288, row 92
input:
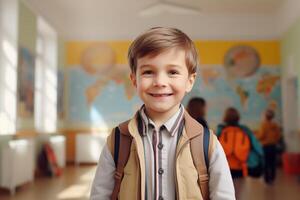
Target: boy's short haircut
column 159, row 39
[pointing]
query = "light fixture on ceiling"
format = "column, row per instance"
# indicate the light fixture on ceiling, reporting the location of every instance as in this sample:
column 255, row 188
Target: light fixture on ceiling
column 162, row 6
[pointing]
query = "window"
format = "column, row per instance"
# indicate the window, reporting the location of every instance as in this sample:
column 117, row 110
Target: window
column 8, row 65
column 46, row 78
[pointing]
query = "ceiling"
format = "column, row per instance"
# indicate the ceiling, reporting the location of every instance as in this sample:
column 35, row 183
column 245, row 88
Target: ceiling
column 120, row 19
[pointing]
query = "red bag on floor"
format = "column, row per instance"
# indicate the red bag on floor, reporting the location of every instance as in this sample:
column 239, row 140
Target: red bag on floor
column 291, row 163
column 47, row 161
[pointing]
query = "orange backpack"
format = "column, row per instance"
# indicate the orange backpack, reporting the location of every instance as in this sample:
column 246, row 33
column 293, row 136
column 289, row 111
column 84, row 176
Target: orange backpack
column 236, row 144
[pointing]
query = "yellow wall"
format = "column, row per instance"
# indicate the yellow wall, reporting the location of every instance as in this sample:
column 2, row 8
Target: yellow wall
column 211, row 52
column 75, row 49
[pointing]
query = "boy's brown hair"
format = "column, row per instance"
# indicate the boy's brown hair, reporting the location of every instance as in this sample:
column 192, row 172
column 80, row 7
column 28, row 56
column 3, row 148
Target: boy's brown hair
column 159, row 39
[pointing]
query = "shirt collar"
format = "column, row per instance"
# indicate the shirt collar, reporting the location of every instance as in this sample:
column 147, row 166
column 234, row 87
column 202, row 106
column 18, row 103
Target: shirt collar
column 171, row 125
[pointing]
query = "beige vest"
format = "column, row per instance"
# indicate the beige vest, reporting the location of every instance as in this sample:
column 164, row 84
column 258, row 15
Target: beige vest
column 187, row 186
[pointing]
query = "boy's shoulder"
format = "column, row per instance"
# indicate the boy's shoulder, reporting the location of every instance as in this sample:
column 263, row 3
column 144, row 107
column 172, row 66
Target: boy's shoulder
column 123, row 125
column 121, row 128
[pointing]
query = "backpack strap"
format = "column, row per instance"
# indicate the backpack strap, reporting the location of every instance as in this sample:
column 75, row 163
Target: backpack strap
column 116, row 145
column 206, row 137
column 121, row 155
column 201, row 160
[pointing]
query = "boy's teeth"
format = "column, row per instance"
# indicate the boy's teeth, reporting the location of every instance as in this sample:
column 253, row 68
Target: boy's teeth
column 160, row 95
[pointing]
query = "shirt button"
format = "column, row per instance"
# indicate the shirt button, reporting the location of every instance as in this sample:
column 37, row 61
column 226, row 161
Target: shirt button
column 160, row 198
column 160, row 145
column 160, row 171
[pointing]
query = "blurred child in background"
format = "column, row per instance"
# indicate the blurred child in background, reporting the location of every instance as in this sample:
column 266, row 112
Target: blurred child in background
column 197, row 109
column 269, row 135
column 243, row 151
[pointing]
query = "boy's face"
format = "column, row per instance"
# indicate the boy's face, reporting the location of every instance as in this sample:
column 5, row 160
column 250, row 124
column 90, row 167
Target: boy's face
column 162, row 81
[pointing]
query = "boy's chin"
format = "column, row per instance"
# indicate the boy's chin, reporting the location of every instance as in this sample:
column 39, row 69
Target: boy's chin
column 161, row 109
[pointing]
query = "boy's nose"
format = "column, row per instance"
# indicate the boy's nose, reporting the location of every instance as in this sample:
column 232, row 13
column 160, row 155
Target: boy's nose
column 160, row 80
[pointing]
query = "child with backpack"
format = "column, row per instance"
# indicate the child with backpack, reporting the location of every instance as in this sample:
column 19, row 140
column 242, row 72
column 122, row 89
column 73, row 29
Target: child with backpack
column 243, row 151
column 196, row 107
column 269, row 135
column 162, row 152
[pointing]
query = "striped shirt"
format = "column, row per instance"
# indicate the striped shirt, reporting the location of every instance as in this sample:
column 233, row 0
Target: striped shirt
column 160, row 151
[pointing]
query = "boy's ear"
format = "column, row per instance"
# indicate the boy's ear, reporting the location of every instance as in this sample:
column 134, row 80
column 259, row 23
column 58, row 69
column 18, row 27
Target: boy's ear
column 191, row 81
column 133, row 79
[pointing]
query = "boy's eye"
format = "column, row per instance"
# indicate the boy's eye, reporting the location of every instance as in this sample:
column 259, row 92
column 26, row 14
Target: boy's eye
column 173, row 72
column 147, row 72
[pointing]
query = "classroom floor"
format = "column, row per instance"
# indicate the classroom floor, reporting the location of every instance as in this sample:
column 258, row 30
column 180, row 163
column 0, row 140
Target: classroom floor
column 76, row 182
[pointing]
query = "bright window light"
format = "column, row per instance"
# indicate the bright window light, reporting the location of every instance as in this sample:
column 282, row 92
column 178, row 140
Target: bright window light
column 46, row 79
column 8, row 65
column 88, row 176
column 9, row 52
column 10, row 104
column 75, row 192
column 10, row 77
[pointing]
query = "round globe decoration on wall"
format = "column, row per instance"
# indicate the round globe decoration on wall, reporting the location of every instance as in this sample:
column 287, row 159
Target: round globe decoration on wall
column 98, row 58
column 241, row 61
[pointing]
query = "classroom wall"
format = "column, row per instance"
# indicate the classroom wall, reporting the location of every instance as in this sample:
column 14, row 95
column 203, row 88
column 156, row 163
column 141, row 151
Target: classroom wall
column 100, row 94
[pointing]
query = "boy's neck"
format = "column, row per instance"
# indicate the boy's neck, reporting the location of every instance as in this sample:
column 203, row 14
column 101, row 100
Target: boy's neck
column 159, row 118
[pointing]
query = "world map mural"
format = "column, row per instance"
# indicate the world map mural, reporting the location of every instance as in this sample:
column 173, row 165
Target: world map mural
column 100, row 93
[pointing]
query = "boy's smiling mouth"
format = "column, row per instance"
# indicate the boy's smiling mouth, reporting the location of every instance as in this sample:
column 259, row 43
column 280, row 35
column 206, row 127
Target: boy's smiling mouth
column 160, row 94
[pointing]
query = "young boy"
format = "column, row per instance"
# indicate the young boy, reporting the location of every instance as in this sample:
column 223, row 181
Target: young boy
column 161, row 162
